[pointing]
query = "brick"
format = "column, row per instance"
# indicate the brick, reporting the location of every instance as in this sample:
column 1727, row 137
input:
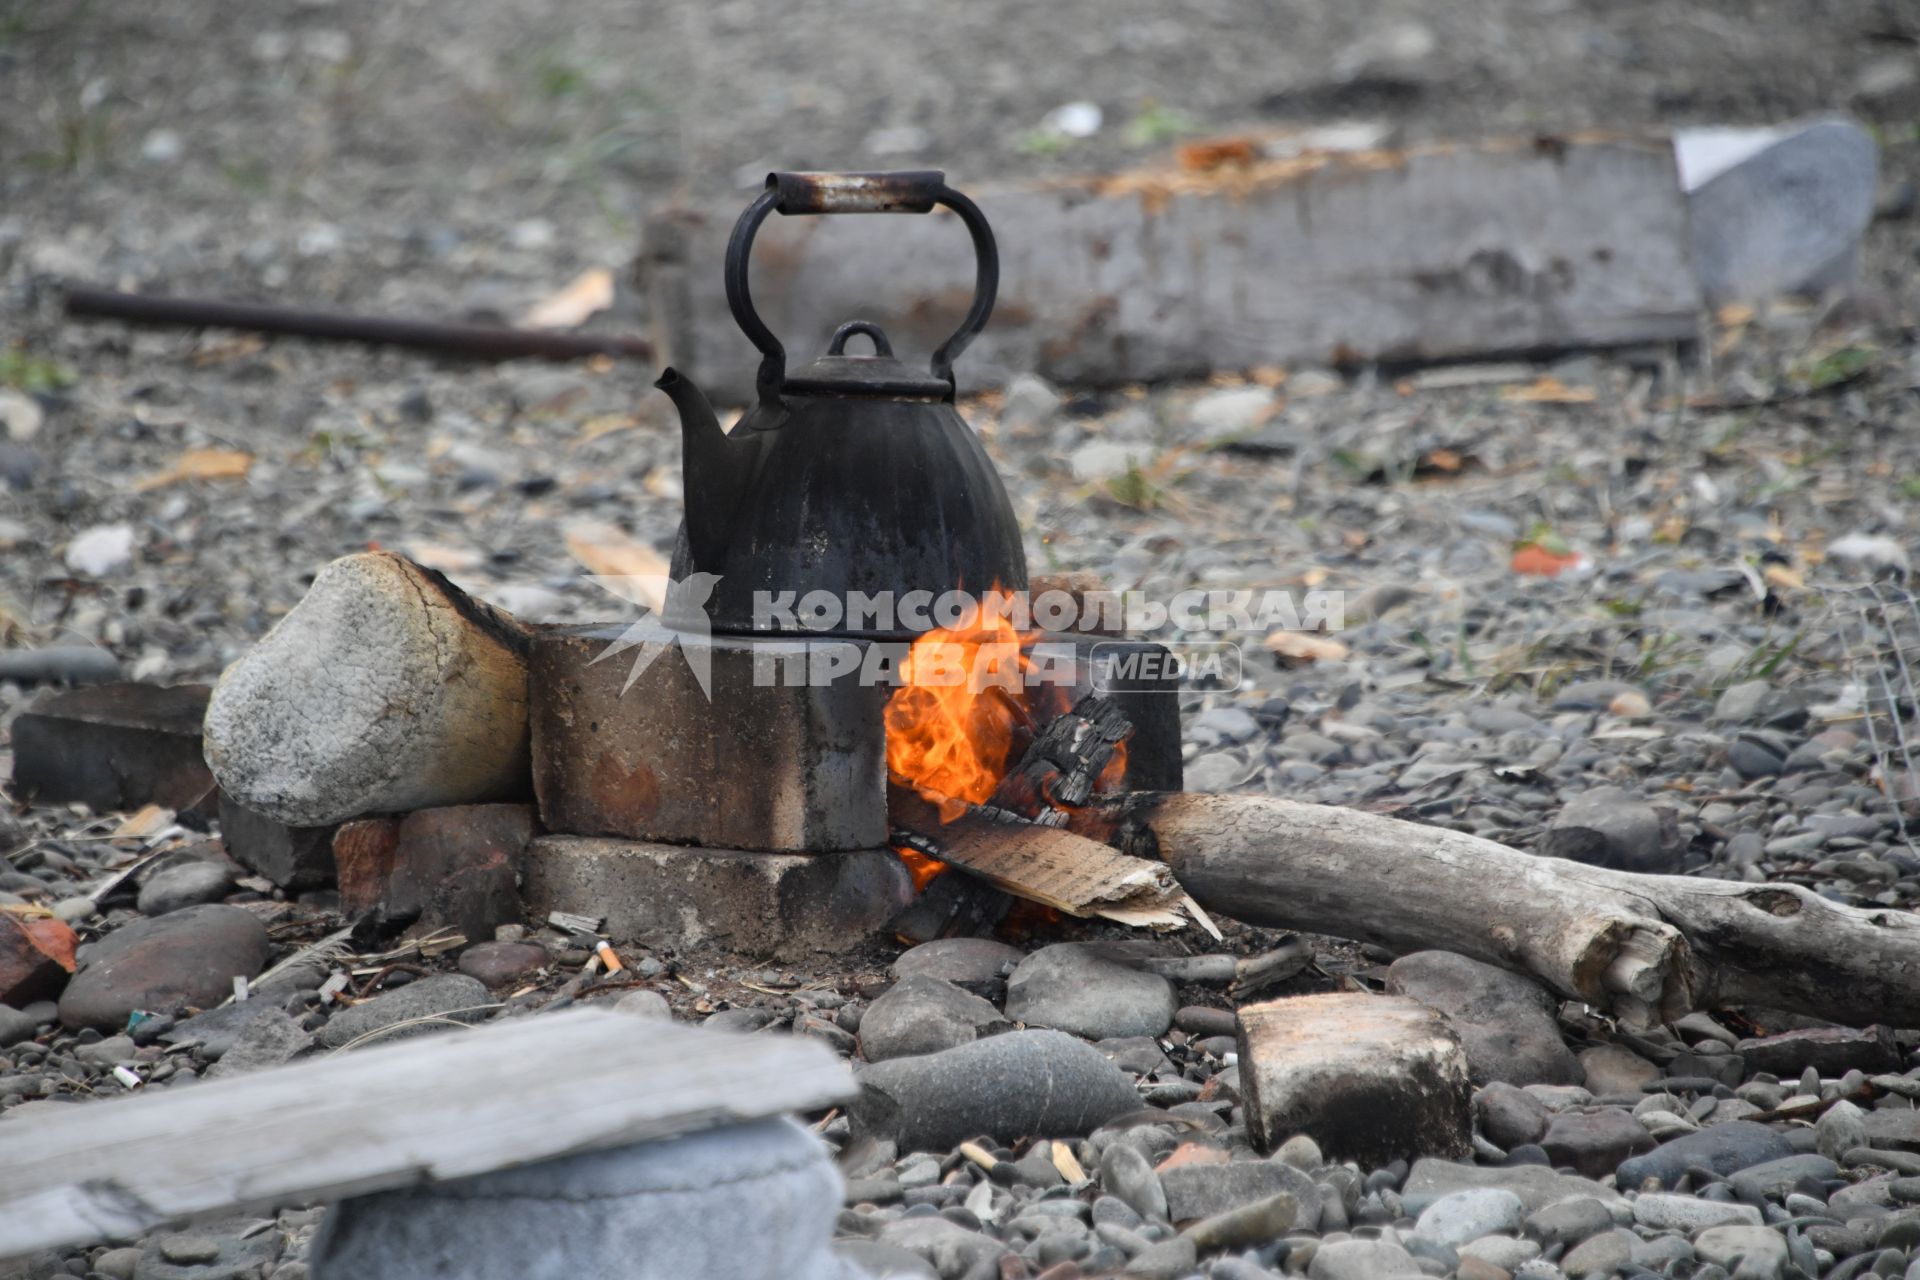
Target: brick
column 752, row 767
column 457, row 866
column 115, row 747
column 1370, row 1078
column 294, row 858
column 363, row 862
column 677, row 898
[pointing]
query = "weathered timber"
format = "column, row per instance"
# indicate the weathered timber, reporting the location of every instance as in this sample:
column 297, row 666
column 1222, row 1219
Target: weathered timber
column 1440, row 252
column 386, row 689
column 1650, row 948
column 428, row 1109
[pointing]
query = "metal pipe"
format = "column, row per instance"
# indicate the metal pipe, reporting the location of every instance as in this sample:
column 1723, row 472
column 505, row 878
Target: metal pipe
column 471, row 341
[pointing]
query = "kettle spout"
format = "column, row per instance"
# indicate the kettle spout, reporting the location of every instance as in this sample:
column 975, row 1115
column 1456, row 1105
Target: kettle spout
column 715, row 470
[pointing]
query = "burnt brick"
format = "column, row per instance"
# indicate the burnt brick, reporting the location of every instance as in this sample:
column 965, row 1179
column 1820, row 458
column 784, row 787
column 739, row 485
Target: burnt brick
column 115, row 746
column 295, row 858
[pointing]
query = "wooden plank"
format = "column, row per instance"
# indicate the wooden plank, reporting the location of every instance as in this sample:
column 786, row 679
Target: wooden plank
column 432, row 1108
column 1439, row 252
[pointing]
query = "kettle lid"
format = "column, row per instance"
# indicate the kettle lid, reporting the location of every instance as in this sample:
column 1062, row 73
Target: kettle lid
column 879, row 375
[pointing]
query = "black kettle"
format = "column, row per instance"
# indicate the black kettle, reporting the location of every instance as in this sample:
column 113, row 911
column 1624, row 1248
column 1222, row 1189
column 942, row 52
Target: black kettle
column 852, row 474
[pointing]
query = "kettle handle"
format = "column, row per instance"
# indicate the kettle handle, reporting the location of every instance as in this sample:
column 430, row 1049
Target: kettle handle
column 896, row 191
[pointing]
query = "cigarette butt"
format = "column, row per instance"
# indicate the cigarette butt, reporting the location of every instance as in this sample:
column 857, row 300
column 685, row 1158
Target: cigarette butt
column 606, row 953
column 125, row 1075
column 978, row 1154
column 1068, row 1166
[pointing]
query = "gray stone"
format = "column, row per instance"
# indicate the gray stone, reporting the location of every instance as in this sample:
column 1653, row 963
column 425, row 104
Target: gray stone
column 1537, row 1185
column 925, row 1015
column 1504, row 1252
column 976, row 964
column 1772, row 1179
column 107, row 1052
column 1023, row 1082
column 1754, row 1253
column 952, row 1249
column 885, row 1261
column 1301, row 1152
column 1029, row 401
column 15, row 1026
column 1665, row 1211
column 1467, row 1215
column 1614, row 1071
column 1601, row 1255
column 1125, row 1173
column 500, row 964
column 270, row 1041
column 213, row 1033
column 1081, row 988
column 1741, row 703
column 1167, row 1260
column 1632, row 835
column 117, row 1264
column 1570, row 1221
column 212, row 1251
column 1594, row 1142
column 1505, row 1022
column 747, row 1202
column 1842, row 1128
column 444, row 997
column 1201, row 1190
column 1785, row 218
column 186, row 957
column 1509, row 1116
column 185, row 884
column 644, row 1003
column 1362, row 1260
column 1723, row 1148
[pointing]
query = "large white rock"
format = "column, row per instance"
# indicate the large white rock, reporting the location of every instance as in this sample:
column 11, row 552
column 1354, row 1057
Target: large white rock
column 386, row 689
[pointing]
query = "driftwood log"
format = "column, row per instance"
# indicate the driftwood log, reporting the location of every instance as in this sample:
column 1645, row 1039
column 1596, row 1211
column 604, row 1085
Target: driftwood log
column 386, row 689
column 1648, row 948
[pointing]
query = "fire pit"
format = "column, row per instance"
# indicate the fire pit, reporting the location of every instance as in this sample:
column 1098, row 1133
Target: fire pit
column 819, row 642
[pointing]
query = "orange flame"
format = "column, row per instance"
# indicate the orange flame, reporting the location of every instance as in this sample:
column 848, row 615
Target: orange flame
column 962, row 704
column 951, row 724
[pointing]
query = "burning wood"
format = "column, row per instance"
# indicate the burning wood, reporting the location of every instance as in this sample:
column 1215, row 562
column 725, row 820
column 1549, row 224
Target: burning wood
column 1055, row 868
column 959, row 734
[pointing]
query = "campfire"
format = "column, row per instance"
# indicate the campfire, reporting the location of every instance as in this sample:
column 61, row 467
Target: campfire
column 968, row 711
